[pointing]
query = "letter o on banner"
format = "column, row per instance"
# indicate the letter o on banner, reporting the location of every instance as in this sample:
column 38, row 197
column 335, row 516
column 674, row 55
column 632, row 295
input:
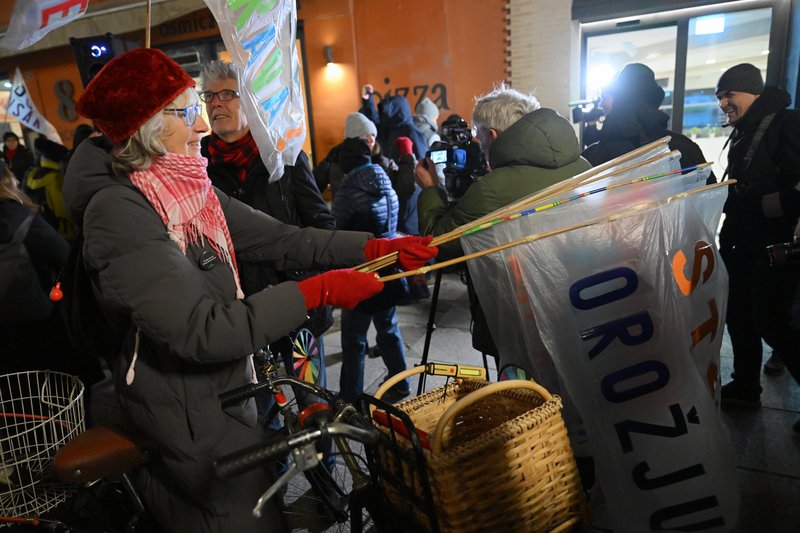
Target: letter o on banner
column 624, row 273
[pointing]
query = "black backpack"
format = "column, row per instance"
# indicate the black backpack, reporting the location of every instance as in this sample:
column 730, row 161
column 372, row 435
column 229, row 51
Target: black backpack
column 22, row 298
column 90, row 332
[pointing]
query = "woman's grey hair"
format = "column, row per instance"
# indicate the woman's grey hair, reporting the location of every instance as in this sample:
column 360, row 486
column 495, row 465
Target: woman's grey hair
column 137, row 152
column 218, row 70
column 502, row 107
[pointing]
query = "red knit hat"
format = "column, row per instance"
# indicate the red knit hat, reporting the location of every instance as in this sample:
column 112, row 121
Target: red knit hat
column 131, row 89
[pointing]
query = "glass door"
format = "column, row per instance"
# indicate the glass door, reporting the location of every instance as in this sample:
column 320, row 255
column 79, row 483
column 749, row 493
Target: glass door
column 716, row 43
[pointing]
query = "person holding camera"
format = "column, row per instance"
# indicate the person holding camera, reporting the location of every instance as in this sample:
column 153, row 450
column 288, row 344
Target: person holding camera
column 761, row 216
column 527, row 147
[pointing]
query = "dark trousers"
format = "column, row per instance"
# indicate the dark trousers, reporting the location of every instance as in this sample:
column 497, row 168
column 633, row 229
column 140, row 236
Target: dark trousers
column 760, row 307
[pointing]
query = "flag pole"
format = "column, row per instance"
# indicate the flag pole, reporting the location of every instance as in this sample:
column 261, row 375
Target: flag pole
column 147, row 26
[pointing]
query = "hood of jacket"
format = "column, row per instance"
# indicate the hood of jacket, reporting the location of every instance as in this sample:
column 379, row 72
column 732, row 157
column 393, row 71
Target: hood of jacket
column 542, row 138
column 424, row 124
column 395, row 111
column 640, row 122
column 88, row 172
column 772, row 100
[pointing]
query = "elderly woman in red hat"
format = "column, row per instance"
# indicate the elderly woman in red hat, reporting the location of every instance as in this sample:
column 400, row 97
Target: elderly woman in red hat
column 161, row 245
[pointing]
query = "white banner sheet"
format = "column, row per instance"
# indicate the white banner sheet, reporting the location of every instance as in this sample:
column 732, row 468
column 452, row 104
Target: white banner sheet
column 632, row 312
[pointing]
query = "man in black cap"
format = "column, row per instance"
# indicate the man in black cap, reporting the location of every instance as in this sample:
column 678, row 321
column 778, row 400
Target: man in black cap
column 633, row 119
column 762, row 209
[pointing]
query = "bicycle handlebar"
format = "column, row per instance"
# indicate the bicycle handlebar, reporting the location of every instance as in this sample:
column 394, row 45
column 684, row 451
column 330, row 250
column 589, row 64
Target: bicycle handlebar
column 238, row 394
column 239, row 462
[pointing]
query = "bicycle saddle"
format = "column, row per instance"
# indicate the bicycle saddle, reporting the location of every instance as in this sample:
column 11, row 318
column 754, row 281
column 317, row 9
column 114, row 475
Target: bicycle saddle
column 100, row 452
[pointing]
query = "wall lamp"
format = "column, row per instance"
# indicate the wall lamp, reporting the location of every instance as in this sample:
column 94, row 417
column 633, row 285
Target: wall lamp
column 328, row 53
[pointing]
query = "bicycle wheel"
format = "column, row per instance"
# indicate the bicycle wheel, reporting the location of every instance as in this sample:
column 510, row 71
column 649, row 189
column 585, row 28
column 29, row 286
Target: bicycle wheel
column 318, row 501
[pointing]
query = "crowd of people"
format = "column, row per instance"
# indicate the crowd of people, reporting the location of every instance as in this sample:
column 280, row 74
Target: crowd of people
column 204, row 258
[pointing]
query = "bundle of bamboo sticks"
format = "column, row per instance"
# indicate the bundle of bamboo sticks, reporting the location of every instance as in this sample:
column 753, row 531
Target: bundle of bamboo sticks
column 538, row 202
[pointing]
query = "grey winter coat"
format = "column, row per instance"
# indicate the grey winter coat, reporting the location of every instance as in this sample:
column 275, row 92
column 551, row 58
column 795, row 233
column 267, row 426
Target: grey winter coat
column 194, row 335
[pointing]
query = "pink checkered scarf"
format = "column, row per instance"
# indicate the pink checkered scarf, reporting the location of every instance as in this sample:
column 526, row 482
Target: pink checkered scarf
column 179, row 189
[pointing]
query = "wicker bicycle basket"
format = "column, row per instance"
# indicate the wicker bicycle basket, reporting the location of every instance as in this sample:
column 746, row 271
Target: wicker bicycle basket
column 503, row 461
column 39, row 412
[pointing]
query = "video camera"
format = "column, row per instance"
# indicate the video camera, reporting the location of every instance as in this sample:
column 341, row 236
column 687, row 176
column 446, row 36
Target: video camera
column 784, row 253
column 462, row 157
column 586, row 110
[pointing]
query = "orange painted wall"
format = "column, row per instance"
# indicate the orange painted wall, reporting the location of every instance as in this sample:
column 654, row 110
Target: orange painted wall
column 410, row 43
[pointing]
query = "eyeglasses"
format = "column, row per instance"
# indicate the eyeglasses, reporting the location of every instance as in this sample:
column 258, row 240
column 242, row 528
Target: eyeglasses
column 188, row 114
column 224, row 95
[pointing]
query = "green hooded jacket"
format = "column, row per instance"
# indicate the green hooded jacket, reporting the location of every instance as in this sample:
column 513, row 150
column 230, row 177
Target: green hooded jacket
column 538, row 150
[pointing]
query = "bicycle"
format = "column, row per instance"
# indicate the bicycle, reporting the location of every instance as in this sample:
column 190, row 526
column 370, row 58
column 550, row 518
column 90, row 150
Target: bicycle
column 344, row 423
column 335, row 419
column 56, row 474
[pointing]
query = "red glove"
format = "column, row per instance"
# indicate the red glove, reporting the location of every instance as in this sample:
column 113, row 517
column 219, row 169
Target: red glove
column 340, row 288
column 413, row 252
column 405, row 145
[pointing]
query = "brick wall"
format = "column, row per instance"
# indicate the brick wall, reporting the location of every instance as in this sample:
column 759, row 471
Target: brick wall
column 544, row 51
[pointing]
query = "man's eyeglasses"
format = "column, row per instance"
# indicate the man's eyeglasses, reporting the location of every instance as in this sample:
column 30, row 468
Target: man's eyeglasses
column 188, row 114
column 224, row 95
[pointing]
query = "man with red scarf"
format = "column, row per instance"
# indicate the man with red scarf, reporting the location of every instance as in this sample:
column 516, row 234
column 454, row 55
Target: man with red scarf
column 236, row 168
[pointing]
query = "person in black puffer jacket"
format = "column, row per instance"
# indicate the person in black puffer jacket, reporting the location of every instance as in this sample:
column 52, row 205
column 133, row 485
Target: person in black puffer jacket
column 633, row 119
column 367, row 202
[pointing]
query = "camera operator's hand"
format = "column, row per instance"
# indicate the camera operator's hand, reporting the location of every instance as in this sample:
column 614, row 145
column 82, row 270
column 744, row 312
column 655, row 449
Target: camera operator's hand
column 425, row 173
column 404, row 145
column 366, row 91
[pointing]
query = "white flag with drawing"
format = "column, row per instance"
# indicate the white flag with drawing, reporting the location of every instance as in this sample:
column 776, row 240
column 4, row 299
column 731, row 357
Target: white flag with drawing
column 33, row 19
column 22, row 108
column 260, row 37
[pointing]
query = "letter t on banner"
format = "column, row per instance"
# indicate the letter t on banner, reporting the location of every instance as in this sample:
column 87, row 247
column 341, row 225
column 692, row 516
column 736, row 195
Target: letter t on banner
column 33, row 19
column 260, row 37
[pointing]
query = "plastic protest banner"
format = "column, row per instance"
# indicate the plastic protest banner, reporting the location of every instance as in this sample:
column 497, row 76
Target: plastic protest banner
column 629, row 309
column 496, row 277
column 22, row 108
column 260, row 37
column 33, row 19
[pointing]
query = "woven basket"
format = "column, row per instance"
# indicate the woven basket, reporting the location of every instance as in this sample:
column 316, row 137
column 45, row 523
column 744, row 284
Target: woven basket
column 500, row 460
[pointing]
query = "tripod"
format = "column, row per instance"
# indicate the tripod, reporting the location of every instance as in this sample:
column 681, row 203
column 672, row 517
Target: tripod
column 431, row 327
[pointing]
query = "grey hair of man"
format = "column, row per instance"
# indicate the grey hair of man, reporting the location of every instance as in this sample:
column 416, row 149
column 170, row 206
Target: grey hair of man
column 501, row 108
column 218, row 70
column 137, row 152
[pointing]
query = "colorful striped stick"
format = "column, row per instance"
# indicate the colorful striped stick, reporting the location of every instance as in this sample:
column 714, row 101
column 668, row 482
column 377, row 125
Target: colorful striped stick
column 555, row 203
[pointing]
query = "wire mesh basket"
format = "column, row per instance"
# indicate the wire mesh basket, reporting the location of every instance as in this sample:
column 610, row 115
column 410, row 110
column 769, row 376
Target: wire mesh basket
column 39, row 412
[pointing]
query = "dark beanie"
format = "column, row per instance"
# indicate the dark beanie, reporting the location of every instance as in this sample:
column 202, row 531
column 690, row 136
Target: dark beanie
column 636, row 83
column 354, row 153
column 743, row 78
column 50, row 150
